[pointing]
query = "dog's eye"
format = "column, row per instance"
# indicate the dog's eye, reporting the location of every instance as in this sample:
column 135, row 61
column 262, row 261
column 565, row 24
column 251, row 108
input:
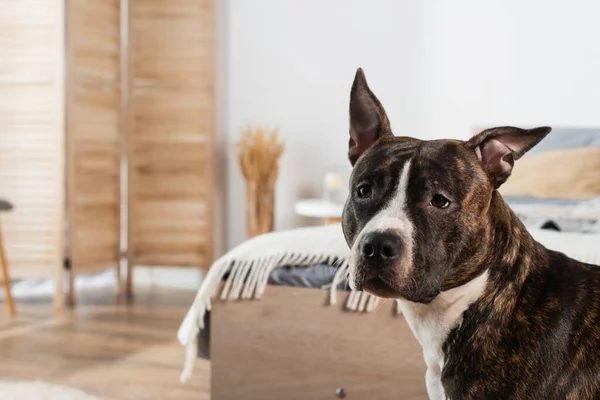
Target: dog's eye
column 439, row 201
column 363, row 191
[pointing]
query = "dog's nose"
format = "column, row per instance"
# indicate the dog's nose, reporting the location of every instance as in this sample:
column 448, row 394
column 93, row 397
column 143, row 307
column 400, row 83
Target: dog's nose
column 383, row 247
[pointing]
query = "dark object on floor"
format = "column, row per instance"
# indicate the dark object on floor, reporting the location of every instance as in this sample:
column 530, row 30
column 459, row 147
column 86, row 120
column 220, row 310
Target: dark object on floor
column 550, row 225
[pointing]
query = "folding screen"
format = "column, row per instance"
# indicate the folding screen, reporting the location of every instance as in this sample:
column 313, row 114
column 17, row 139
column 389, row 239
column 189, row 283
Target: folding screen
column 32, row 135
column 93, row 135
column 171, row 111
column 64, row 118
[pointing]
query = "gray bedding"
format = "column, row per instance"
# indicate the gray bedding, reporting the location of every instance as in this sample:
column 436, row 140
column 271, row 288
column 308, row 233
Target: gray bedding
column 558, row 223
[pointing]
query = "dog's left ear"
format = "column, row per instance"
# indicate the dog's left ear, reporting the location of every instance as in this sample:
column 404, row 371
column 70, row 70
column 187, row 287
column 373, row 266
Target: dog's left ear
column 368, row 120
column 498, row 148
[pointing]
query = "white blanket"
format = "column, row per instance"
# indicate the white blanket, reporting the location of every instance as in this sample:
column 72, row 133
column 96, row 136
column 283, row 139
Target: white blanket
column 580, row 246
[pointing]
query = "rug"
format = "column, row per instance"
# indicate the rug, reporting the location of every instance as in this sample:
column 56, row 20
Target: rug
column 36, row 390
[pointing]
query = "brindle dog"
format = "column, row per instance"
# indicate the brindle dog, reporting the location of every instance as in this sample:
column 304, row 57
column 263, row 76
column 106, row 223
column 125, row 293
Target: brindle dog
column 498, row 315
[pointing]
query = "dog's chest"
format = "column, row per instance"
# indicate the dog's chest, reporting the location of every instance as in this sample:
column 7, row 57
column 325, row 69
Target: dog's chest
column 431, row 333
column 431, row 324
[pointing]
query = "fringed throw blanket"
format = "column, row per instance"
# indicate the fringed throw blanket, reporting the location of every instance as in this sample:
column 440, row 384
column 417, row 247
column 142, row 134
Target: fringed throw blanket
column 249, row 266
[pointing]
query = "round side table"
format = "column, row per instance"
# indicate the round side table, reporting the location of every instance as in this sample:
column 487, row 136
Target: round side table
column 319, row 208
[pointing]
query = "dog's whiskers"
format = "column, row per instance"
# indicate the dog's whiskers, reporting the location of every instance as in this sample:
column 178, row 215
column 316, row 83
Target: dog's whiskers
column 414, row 283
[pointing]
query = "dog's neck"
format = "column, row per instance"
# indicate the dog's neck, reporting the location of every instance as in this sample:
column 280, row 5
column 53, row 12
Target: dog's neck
column 509, row 258
column 431, row 323
column 444, row 312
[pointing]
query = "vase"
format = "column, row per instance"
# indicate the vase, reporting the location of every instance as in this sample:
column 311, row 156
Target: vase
column 260, row 206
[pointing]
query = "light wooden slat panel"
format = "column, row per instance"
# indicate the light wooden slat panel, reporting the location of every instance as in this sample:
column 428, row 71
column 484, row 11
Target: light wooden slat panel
column 94, row 144
column 32, row 134
column 170, row 143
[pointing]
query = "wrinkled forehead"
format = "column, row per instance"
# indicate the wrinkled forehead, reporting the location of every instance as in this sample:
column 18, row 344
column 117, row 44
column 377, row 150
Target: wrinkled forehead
column 386, row 155
column 438, row 159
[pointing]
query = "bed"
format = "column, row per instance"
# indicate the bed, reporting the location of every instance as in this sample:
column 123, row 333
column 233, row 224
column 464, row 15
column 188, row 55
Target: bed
column 556, row 186
column 301, row 342
column 295, row 344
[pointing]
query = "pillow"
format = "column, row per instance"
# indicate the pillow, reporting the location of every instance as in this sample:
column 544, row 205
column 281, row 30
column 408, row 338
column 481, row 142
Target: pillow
column 565, row 165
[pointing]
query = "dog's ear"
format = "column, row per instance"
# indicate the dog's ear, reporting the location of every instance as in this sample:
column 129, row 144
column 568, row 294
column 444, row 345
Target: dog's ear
column 368, row 120
column 498, row 148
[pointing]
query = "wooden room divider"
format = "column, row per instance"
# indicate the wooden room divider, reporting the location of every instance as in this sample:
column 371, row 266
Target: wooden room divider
column 170, row 132
column 94, row 148
column 87, row 87
column 32, row 140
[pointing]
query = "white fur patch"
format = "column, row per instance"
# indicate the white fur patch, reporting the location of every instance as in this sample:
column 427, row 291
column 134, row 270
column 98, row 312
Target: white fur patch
column 431, row 323
column 392, row 217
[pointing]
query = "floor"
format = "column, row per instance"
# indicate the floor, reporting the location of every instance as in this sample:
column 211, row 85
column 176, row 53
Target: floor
column 104, row 347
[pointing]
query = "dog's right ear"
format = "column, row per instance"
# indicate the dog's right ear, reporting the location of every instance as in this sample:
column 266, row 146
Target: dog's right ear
column 368, row 120
column 498, row 148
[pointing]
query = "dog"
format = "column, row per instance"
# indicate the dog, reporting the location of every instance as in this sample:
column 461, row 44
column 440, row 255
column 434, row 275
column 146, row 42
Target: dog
column 497, row 314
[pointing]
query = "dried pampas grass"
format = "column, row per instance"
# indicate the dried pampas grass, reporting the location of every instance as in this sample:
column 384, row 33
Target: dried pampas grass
column 259, row 151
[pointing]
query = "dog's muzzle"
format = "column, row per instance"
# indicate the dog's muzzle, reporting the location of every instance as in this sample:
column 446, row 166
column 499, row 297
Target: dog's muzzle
column 380, row 248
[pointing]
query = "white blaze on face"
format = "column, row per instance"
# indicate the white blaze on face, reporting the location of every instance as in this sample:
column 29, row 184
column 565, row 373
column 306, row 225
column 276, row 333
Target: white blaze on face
column 392, row 217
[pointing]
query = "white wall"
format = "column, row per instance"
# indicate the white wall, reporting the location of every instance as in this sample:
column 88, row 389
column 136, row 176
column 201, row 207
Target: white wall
column 439, row 67
column 512, row 62
column 290, row 64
